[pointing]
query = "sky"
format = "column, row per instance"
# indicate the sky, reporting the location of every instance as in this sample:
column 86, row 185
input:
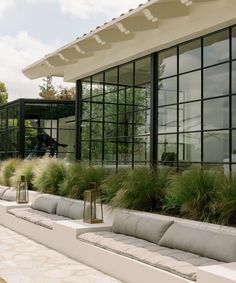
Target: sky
column 30, row 29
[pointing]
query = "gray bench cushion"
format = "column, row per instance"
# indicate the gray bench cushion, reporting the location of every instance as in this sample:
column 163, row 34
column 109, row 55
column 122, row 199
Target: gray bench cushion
column 36, row 217
column 175, row 261
column 218, row 245
column 46, row 203
column 3, row 189
column 70, row 208
column 9, row 195
column 141, row 226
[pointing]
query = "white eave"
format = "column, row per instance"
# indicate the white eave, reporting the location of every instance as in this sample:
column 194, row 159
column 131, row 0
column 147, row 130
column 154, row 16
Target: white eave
column 152, row 26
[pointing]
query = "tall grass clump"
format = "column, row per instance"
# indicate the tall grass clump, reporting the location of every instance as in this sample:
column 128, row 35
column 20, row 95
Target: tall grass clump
column 78, row 178
column 112, row 184
column 143, row 189
column 26, row 168
column 226, row 201
column 8, row 167
column 48, row 175
column 193, row 194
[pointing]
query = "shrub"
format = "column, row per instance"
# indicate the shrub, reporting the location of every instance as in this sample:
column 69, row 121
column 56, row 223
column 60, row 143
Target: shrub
column 49, row 173
column 143, row 189
column 8, row 168
column 26, row 169
column 226, row 201
column 112, row 184
column 78, row 178
column 193, row 194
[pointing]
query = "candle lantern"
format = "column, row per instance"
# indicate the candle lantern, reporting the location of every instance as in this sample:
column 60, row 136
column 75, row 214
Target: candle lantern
column 22, row 194
column 93, row 209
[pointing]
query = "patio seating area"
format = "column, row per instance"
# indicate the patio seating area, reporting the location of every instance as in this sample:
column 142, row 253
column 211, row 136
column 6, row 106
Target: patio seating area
column 147, row 245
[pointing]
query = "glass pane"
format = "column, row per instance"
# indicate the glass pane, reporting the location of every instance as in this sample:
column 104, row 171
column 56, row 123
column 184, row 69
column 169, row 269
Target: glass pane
column 167, row 149
column 86, row 86
column 167, row 93
column 216, row 113
column 110, row 151
column 96, row 152
column 190, row 56
column 216, row 48
column 85, row 150
column 216, row 146
column 233, row 153
column 216, row 81
column 126, row 74
column 167, row 119
column 97, row 112
column 97, row 131
column 190, row 117
column 190, row 147
column 167, row 61
column 143, row 71
column 190, row 86
column 142, row 150
column 234, row 111
column 234, row 77
column 234, row 43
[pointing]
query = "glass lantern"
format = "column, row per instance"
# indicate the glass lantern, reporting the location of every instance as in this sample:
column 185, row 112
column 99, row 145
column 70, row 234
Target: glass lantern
column 22, row 194
column 93, row 209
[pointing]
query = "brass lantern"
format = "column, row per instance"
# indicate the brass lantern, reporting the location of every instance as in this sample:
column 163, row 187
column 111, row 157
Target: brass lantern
column 93, row 210
column 22, row 194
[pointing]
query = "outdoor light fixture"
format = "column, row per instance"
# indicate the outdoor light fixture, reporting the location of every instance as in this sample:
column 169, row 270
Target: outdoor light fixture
column 93, row 209
column 22, row 194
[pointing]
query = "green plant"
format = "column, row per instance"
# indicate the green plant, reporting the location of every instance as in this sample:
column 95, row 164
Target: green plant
column 226, row 201
column 143, row 189
column 26, row 169
column 78, row 178
column 8, row 168
column 193, row 194
column 49, row 173
column 112, row 184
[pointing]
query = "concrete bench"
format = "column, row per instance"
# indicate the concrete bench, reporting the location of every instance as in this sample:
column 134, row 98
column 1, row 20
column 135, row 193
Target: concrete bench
column 171, row 248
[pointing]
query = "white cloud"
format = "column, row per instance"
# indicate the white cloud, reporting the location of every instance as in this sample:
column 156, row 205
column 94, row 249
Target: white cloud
column 87, row 9
column 6, row 5
column 16, row 52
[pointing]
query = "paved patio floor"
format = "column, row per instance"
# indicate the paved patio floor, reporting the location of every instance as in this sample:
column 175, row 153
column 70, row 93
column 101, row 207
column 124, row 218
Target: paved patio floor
column 25, row 261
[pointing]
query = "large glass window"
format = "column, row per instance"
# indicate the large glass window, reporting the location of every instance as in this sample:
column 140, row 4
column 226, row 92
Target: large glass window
column 167, row 61
column 190, row 86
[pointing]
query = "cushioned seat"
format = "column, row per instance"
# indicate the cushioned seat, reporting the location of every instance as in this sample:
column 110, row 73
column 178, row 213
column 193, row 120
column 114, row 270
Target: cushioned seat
column 37, row 217
column 176, row 261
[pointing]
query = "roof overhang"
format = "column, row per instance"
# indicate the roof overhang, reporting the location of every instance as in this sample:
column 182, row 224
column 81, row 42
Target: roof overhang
column 153, row 26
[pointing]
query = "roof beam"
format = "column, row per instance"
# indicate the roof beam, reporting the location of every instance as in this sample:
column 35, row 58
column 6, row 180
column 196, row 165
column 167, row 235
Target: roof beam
column 122, row 28
column 49, row 64
column 79, row 50
column 99, row 40
column 62, row 57
column 148, row 14
column 186, row 2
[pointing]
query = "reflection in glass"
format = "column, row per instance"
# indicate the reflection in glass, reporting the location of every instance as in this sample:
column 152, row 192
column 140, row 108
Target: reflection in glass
column 216, row 146
column 234, row 42
column 234, row 77
column 190, row 86
column 190, row 147
column 234, row 111
column 216, row 113
column 233, row 153
column 167, row 149
column 167, row 61
column 143, row 71
column 142, row 149
column 216, row 81
column 190, row 117
column 126, row 75
column 190, row 56
column 167, row 91
column 216, row 48
column 167, row 119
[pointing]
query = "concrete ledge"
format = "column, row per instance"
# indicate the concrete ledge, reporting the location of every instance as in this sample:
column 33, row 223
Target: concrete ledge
column 225, row 273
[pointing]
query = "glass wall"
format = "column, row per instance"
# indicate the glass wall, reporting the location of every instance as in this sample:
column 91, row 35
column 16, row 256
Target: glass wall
column 194, row 108
column 196, row 93
column 115, row 125
column 30, row 125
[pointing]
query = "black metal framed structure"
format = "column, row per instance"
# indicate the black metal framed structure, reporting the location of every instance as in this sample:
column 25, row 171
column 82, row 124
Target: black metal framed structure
column 23, row 119
column 175, row 107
